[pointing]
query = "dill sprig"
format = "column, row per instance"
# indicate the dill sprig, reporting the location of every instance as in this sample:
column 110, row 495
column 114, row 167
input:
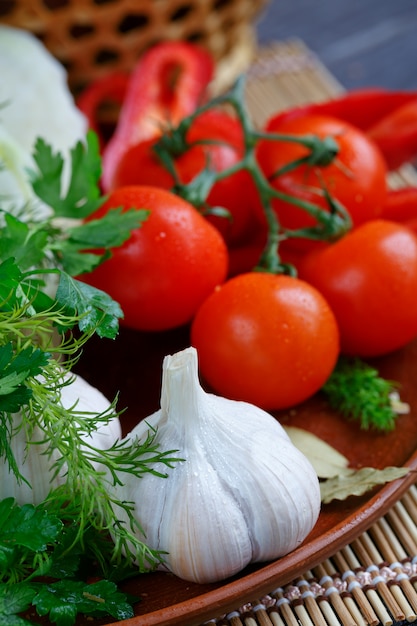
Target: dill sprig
column 88, row 470
column 356, row 390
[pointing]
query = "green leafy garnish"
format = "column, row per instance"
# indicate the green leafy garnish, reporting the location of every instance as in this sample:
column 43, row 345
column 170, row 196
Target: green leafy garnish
column 40, row 255
column 33, row 543
column 23, row 529
column 356, row 390
column 58, row 237
column 82, row 197
column 64, row 600
column 14, row 370
column 46, row 316
column 14, row 600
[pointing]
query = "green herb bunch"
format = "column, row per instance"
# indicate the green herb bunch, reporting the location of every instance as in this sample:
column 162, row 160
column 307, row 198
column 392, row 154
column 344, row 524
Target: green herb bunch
column 46, row 316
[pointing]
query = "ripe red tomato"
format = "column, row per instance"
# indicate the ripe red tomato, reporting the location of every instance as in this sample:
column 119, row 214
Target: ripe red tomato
column 168, row 266
column 268, row 339
column 140, row 166
column 369, row 278
column 356, row 178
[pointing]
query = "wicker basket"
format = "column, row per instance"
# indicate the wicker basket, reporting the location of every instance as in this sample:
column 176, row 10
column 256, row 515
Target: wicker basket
column 93, row 37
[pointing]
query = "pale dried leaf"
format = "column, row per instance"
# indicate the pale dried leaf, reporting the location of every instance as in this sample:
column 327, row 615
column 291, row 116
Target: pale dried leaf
column 397, row 405
column 325, row 459
column 357, row 482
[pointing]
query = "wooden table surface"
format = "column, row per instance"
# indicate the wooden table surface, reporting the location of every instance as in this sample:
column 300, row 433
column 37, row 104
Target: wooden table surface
column 362, row 42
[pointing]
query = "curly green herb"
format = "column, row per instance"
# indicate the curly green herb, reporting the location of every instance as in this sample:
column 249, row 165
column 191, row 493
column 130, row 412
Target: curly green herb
column 356, row 390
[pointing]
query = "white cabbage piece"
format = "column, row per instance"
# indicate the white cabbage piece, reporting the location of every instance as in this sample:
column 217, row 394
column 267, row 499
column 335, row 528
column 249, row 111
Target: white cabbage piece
column 35, row 101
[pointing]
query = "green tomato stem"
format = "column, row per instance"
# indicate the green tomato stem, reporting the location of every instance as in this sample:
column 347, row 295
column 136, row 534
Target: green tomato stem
column 331, row 224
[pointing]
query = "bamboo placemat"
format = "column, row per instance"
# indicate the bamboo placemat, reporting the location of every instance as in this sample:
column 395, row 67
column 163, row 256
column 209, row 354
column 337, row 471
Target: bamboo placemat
column 374, row 579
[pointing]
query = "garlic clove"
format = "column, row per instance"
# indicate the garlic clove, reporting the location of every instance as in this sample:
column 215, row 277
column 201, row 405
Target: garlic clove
column 34, row 466
column 243, row 493
column 278, row 505
column 194, row 528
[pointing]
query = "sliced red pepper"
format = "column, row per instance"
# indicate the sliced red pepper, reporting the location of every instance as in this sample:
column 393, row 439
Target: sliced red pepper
column 401, row 205
column 361, row 107
column 109, row 89
column 168, row 83
column 396, row 134
column 388, row 117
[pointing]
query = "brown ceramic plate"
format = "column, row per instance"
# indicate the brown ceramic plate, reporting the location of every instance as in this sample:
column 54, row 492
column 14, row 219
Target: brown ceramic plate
column 131, row 365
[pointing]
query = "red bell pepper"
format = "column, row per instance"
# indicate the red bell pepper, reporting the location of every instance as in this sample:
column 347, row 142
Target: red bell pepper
column 109, row 89
column 361, row 107
column 396, row 134
column 389, row 117
column 168, row 83
column 401, row 206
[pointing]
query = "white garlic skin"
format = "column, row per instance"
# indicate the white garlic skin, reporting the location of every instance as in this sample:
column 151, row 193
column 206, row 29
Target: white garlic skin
column 34, row 464
column 243, row 494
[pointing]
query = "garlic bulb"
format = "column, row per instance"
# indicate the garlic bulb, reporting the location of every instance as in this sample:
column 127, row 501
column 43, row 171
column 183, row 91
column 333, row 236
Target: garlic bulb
column 243, row 493
column 35, row 462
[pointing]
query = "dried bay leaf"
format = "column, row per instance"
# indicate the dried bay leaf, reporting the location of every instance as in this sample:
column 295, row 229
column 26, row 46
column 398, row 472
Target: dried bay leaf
column 325, row 459
column 356, row 482
column 338, row 480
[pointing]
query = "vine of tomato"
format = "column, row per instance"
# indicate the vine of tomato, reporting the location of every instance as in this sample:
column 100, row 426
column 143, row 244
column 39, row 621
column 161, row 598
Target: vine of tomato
column 215, row 140
column 356, row 177
column 168, row 266
column 268, row 339
column 369, row 278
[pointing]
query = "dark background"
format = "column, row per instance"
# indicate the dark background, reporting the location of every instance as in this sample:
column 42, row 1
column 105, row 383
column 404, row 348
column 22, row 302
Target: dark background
column 362, row 42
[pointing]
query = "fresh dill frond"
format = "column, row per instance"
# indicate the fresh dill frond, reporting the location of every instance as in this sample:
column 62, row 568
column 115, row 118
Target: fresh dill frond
column 357, row 391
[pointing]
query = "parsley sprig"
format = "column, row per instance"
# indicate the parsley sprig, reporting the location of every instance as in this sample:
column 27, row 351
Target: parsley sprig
column 33, row 544
column 43, row 248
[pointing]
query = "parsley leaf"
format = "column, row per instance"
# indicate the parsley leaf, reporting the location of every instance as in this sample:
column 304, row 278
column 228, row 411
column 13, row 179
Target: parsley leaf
column 109, row 231
column 80, row 304
column 83, row 194
column 63, row 600
column 14, row 370
column 35, row 248
column 27, row 526
column 94, row 308
column 25, row 533
column 27, row 246
column 10, row 277
column 14, row 600
column 19, row 289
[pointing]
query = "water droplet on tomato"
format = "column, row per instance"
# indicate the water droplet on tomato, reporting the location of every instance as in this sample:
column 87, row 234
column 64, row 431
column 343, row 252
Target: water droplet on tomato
column 160, row 236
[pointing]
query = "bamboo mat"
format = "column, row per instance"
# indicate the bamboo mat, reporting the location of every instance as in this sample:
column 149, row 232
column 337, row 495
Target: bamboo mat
column 374, row 579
